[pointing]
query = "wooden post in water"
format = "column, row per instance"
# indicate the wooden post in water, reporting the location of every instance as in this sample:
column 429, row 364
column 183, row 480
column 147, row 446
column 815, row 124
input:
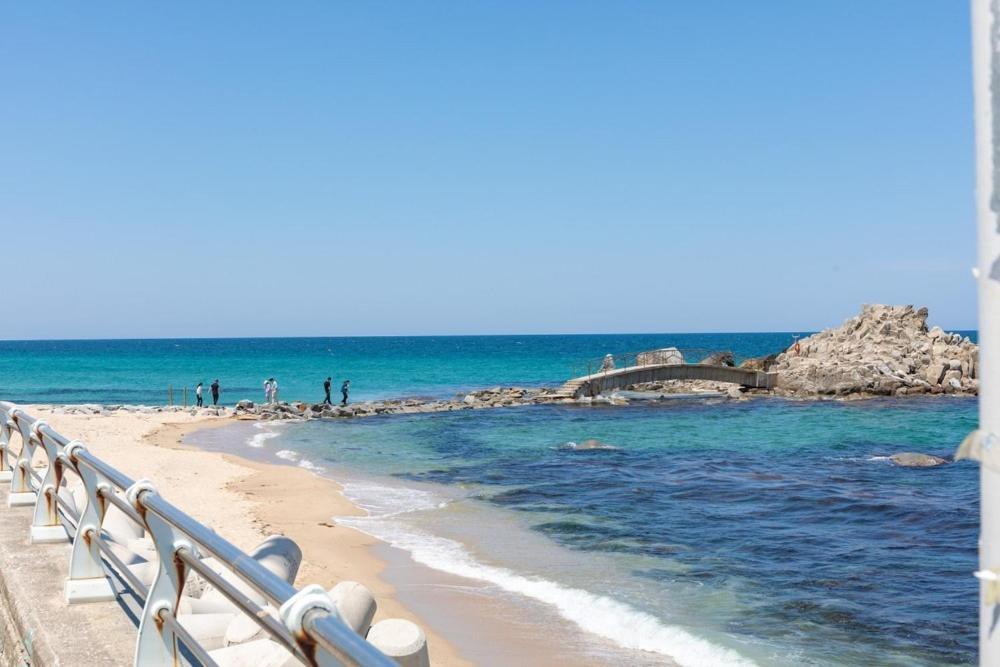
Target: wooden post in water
column 986, row 85
column 185, row 397
column 170, row 394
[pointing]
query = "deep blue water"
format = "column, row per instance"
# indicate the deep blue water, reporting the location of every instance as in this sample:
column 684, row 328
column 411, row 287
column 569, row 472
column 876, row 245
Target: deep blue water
column 772, row 528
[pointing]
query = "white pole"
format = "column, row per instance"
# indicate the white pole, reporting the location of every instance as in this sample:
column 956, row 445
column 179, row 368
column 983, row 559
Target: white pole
column 986, row 78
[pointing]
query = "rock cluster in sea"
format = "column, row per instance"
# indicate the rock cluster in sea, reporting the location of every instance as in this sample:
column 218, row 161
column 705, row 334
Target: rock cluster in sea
column 885, row 350
column 494, row 397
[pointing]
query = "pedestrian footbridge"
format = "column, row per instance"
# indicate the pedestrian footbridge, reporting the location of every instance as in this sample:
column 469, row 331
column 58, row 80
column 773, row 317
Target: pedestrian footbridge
column 659, row 366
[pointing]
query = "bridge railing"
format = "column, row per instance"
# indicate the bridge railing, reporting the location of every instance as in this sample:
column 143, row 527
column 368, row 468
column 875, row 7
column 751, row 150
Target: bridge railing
column 306, row 622
column 682, row 355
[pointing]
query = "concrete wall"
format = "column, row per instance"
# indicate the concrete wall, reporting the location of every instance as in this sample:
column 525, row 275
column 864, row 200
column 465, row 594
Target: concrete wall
column 621, row 378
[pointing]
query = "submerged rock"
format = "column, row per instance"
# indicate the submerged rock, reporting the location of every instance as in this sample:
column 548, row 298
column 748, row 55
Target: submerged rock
column 589, row 444
column 916, row 460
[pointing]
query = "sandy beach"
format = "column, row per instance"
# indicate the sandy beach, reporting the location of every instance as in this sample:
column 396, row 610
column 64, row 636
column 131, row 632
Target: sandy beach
column 245, row 501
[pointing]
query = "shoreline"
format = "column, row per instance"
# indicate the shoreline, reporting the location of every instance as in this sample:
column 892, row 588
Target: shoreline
column 245, row 500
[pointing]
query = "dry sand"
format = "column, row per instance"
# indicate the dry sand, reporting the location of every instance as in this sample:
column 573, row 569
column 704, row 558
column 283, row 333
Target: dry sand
column 244, row 501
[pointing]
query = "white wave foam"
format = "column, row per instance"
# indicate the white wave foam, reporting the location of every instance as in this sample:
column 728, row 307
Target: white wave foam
column 382, row 502
column 309, row 465
column 287, row 454
column 597, row 614
column 258, row 439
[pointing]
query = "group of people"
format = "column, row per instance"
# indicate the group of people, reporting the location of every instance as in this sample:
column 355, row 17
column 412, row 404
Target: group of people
column 199, row 400
column 271, row 391
column 344, row 389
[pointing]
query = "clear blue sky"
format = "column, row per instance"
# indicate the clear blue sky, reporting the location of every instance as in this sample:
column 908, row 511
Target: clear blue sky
column 348, row 168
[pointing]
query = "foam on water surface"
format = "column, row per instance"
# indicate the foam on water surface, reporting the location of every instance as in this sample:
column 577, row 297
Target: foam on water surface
column 600, row 615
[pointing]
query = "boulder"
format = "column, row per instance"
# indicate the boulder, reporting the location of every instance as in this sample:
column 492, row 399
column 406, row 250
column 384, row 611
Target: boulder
column 916, row 460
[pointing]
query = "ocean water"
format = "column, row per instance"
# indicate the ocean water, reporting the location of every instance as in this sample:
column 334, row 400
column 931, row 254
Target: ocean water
column 140, row 371
column 706, row 532
column 764, row 532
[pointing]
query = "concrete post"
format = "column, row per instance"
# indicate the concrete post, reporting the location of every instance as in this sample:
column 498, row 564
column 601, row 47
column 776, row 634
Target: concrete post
column 986, row 86
column 21, row 493
column 46, row 528
column 401, row 640
column 87, row 581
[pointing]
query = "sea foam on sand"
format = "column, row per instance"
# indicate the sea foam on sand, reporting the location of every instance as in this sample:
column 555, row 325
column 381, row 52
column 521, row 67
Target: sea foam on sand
column 600, row 615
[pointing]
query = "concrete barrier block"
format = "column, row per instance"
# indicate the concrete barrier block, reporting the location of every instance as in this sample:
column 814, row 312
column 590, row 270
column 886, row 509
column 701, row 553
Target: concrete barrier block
column 245, row 629
column 401, row 640
column 277, row 553
column 260, row 653
column 356, row 605
column 208, row 629
column 121, row 528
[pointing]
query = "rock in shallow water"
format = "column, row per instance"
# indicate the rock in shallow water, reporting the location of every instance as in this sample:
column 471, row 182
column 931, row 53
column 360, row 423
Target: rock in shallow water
column 916, row 460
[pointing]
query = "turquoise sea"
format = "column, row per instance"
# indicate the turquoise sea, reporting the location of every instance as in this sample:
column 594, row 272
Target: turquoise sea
column 707, row 532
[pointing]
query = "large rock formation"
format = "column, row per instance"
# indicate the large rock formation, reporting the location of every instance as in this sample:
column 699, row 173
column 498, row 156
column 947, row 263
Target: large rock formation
column 886, row 350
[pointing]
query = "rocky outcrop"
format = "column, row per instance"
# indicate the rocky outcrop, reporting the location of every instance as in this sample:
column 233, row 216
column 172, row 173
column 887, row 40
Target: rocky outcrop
column 885, row 350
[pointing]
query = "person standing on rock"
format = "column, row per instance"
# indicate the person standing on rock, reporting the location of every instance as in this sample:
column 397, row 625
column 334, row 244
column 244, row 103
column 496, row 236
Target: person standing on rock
column 267, row 390
column 326, row 390
column 215, row 392
column 344, row 388
column 274, row 390
column 197, row 395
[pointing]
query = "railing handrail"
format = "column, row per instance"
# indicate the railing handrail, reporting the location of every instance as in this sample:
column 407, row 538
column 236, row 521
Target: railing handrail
column 308, row 622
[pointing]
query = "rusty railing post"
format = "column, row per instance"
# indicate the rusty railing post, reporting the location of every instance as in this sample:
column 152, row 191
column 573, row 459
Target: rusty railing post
column 21, row 493
column 6, row 474
column 87, row 580
column 46, row 528
column 157, row 644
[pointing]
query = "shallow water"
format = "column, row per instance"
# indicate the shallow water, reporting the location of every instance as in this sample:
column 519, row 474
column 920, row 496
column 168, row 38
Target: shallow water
column 764, row 532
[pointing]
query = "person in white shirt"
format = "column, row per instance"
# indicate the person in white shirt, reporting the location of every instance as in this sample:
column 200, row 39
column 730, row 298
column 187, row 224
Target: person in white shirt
column 274, row 390
column 267, row 390
column 197, row 395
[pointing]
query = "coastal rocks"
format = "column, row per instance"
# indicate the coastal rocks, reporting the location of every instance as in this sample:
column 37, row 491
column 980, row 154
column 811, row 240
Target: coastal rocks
column 884, row 351
column 916, row 460
column 494, row 397
column 760, row 363
column 719, row 359
column 104, row 410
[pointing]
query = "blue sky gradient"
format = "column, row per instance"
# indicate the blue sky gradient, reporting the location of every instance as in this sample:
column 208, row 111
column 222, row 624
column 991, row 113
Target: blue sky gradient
column 268, row 169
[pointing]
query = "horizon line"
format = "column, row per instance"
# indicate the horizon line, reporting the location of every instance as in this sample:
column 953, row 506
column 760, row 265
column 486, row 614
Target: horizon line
column 451, row 335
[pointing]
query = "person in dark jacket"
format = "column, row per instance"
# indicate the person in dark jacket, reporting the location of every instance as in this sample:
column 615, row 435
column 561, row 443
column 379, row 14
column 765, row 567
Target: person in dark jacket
column 215, row 392
column 326, row 390
column 344, row 388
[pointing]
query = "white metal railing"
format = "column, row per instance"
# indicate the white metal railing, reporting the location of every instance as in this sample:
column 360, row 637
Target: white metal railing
column 306, row 624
